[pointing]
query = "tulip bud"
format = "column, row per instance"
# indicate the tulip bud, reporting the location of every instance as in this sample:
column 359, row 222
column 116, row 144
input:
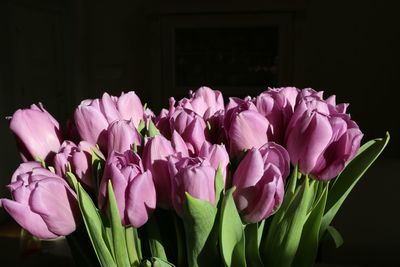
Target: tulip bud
column 122, row 136
column 205, row 102
column 155, row 154
column 133, row 187
column 329, row 138
column 259, row 184
column 217, row 156
column 37, row 133
column 131, row 108
column 190, row 126
column 194, row 176
column 79, row 157
column 277, row 106
column 245, row 127
column 43, row 203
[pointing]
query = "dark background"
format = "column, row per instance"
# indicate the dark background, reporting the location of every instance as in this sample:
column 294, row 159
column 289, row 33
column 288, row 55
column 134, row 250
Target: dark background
column 62, row 51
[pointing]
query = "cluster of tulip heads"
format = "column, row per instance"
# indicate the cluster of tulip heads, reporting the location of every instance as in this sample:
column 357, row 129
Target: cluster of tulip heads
column 152, row 161
column 220, row 169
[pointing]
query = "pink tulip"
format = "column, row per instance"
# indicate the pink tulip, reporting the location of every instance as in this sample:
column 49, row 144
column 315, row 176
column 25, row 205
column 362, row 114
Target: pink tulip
column 92, row 117
column 133, row 187
column 79, row 157
column 37, row 133
column 205, row 102
column 155, row 154
column 260, row 183
column 329, row 138
column 190, row 126
column 43, row 203
column 217, row 156
column 194, row 176
column 245, row 127
column 122, row 136
column 277, row 106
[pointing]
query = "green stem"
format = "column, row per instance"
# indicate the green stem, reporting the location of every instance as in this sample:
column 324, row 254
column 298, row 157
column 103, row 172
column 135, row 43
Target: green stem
column 154, row 237
column 133, row 245
column 180, row 242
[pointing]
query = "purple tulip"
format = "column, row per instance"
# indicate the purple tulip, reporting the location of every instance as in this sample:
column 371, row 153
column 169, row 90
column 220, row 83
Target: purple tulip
column 130, row 107
column 217, row 156
column 133, row 187
column 43, row 203
column 79, row 157
column 194, row 176
column 37, row 133
column 92, row 117
column 245, row 127
column 259, row 183
column 329, row 138
column 122, row 136
column 155, row 154
column 277, row 106
column 190, row 126
column 205, row 102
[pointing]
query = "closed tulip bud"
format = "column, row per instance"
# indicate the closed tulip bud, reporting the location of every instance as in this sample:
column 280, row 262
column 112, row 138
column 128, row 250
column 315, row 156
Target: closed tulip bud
column 190, row 126
column 205, row 102
column 277, row 106
column 42, row 203
column 79, row 158
column 37, row 133
column 194, row 176
column 133, row 187
column 217, row 156
column 245, row 127
column 131, row 108
column 259, row 185
column 122, row 136
column 91, row 123
column 155, row 154
column 329, row 138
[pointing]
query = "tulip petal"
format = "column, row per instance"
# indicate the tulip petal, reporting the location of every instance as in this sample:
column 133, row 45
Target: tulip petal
column 28, row 220
column 91, row 125
column 141, row 199
column 248, row 129
column 130, row 107
column 250, row 170
column 56, row 205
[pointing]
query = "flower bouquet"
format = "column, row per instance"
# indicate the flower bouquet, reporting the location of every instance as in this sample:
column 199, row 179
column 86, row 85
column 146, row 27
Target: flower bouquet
column 255, row 182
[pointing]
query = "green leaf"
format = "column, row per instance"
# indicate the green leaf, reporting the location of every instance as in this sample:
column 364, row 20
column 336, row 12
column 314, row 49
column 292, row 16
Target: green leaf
column 281, row 248
column 152, row 131
column 349, row 177
column 219, row 185
column 271, row 234
column 118, row 231
column 161, row 263
column 336, row 236
column 133, row 245
column 141, row 126
column 198, row 218
column 309, row 241
column 252, row 252
column 72, row 180
column 94, row 227
column 232, row 238
column 97, row 169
